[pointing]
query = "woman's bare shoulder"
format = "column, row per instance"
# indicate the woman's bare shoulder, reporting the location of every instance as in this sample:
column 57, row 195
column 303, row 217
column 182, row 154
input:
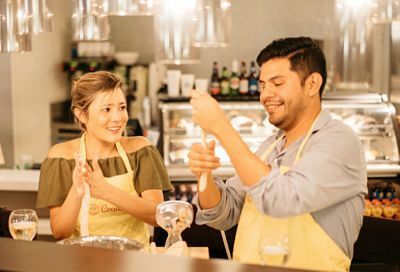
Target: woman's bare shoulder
column 133, row 144
column 65, row 150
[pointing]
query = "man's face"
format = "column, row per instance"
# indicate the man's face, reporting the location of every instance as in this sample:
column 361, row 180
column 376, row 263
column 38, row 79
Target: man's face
column 282, row 95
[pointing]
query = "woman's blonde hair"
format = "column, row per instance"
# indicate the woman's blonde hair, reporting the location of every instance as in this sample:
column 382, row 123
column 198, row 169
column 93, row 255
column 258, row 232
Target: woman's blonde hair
column 85, row 88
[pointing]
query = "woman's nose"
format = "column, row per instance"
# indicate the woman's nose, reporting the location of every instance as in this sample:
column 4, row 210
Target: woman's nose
column 116, row 115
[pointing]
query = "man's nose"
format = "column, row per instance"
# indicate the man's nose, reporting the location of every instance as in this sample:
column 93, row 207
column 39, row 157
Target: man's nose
column 267, row 91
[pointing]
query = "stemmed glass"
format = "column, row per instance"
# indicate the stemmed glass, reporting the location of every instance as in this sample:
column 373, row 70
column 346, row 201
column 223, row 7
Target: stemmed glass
column 274, row 250
column 174, row 216
column 23, row 224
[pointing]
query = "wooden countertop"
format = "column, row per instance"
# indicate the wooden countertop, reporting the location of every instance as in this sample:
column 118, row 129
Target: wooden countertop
column 48, row 256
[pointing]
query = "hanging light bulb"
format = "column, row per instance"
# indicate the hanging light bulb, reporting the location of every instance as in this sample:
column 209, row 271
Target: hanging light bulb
column 40, row 16
column 34, row 16
column 89, row 21
column 128, row 7
column 174, row 25
column 11, row 38
column 213, row 23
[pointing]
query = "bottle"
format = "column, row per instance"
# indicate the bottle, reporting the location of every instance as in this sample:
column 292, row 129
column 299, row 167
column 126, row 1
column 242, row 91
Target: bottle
column 253, row 80
column 244, row 82
column 225, row 82
column 93, row 66
column 234, row 80
column 215, row 87
column 389, row 191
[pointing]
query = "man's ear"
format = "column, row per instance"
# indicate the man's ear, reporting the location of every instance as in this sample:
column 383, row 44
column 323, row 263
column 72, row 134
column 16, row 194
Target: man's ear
column 82, row 117
column 313, row 83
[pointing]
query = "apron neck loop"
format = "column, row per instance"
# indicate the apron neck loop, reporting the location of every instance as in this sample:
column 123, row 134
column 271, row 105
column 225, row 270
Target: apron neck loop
column 120, row 150
column 82, row 149
column 265, row 155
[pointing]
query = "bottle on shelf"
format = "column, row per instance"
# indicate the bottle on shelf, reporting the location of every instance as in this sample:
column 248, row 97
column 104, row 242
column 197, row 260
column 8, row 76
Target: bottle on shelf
column 244, row 82
column 234, row 79
column 225, row 82
column 389, row 191
column 253, row 80
column 215, row 86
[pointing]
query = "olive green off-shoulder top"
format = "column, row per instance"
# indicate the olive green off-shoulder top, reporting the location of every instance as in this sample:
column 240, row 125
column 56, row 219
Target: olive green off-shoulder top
column 56, row 174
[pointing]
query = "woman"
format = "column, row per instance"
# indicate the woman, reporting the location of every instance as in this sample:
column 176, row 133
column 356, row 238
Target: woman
column 126, row 175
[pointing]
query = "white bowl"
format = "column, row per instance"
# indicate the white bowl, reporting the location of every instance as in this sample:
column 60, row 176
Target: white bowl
column 126, row 58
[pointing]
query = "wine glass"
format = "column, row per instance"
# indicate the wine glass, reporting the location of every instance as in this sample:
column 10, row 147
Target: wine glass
column 274, row 250
column 174, row 216
column 23, row 224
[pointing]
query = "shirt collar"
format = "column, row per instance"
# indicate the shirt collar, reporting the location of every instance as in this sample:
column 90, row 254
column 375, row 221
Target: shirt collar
column 322, row 119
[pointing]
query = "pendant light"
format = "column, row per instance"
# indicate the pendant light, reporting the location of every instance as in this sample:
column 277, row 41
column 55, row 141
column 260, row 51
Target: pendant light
column 174, row 25
column 40, row 17
column 89, row 21
column 213, row 23
column 34, row 16
column 128, row 7
column 11, row 39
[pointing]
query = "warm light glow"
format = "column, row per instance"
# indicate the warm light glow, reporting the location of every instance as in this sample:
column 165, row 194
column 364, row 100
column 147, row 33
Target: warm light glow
column 213, row 25
column 128, row 7
column 13, row 37
column 89, row 21
column 174, row 27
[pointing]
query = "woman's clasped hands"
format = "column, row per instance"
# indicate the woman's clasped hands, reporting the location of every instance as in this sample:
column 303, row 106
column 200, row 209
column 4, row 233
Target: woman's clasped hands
column 83, row 173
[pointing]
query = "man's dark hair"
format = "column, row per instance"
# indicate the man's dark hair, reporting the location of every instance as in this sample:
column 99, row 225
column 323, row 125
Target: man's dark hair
column 304, row 55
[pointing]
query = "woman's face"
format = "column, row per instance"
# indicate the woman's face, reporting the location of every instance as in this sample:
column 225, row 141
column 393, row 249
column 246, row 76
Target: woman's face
column 107, row 116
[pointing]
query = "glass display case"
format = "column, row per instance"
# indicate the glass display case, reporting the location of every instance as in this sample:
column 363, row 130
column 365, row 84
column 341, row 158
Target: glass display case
column 370, row 116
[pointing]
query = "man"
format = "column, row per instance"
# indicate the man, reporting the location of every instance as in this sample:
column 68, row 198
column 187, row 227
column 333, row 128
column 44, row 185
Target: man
column 306, row 183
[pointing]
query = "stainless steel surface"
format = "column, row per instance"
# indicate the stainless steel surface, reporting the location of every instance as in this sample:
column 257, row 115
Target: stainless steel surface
column 108, row 242
column 179, row 132
column 369, row 115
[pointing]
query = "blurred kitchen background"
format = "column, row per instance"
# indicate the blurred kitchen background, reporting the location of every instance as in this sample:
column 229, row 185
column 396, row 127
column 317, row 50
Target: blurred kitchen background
column 32, row 81
column 360, row 38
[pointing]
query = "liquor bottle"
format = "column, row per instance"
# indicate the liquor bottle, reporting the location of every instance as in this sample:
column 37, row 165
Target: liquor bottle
column 389, row 191
column 234, row 80
column 253, row 80
column 225, row 82
column 215, row 87
column 244, row 82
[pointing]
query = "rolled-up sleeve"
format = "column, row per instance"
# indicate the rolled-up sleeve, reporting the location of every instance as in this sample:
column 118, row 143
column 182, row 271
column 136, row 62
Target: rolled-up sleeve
column 226, row 214
column 332, row 171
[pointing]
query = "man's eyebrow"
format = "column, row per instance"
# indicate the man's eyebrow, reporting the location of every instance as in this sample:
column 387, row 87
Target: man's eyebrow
column 275, row 77
column 272, row 78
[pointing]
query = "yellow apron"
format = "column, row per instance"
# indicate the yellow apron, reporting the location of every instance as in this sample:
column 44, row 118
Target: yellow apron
column 310, row 247
column 107, row 219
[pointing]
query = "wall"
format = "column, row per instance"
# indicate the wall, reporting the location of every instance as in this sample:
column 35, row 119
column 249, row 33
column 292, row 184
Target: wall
column 255, row 23
column 37, row 80
column 6, row 111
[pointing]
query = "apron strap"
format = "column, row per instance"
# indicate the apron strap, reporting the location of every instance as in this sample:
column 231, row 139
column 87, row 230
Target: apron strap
column 120, row 150
column 266, row 153
column 82, row 149
column 303, row 143
column 124, row 157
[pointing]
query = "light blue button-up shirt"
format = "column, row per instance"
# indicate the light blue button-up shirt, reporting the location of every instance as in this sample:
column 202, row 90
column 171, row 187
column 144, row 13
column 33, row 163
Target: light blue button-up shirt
column 329, row 181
